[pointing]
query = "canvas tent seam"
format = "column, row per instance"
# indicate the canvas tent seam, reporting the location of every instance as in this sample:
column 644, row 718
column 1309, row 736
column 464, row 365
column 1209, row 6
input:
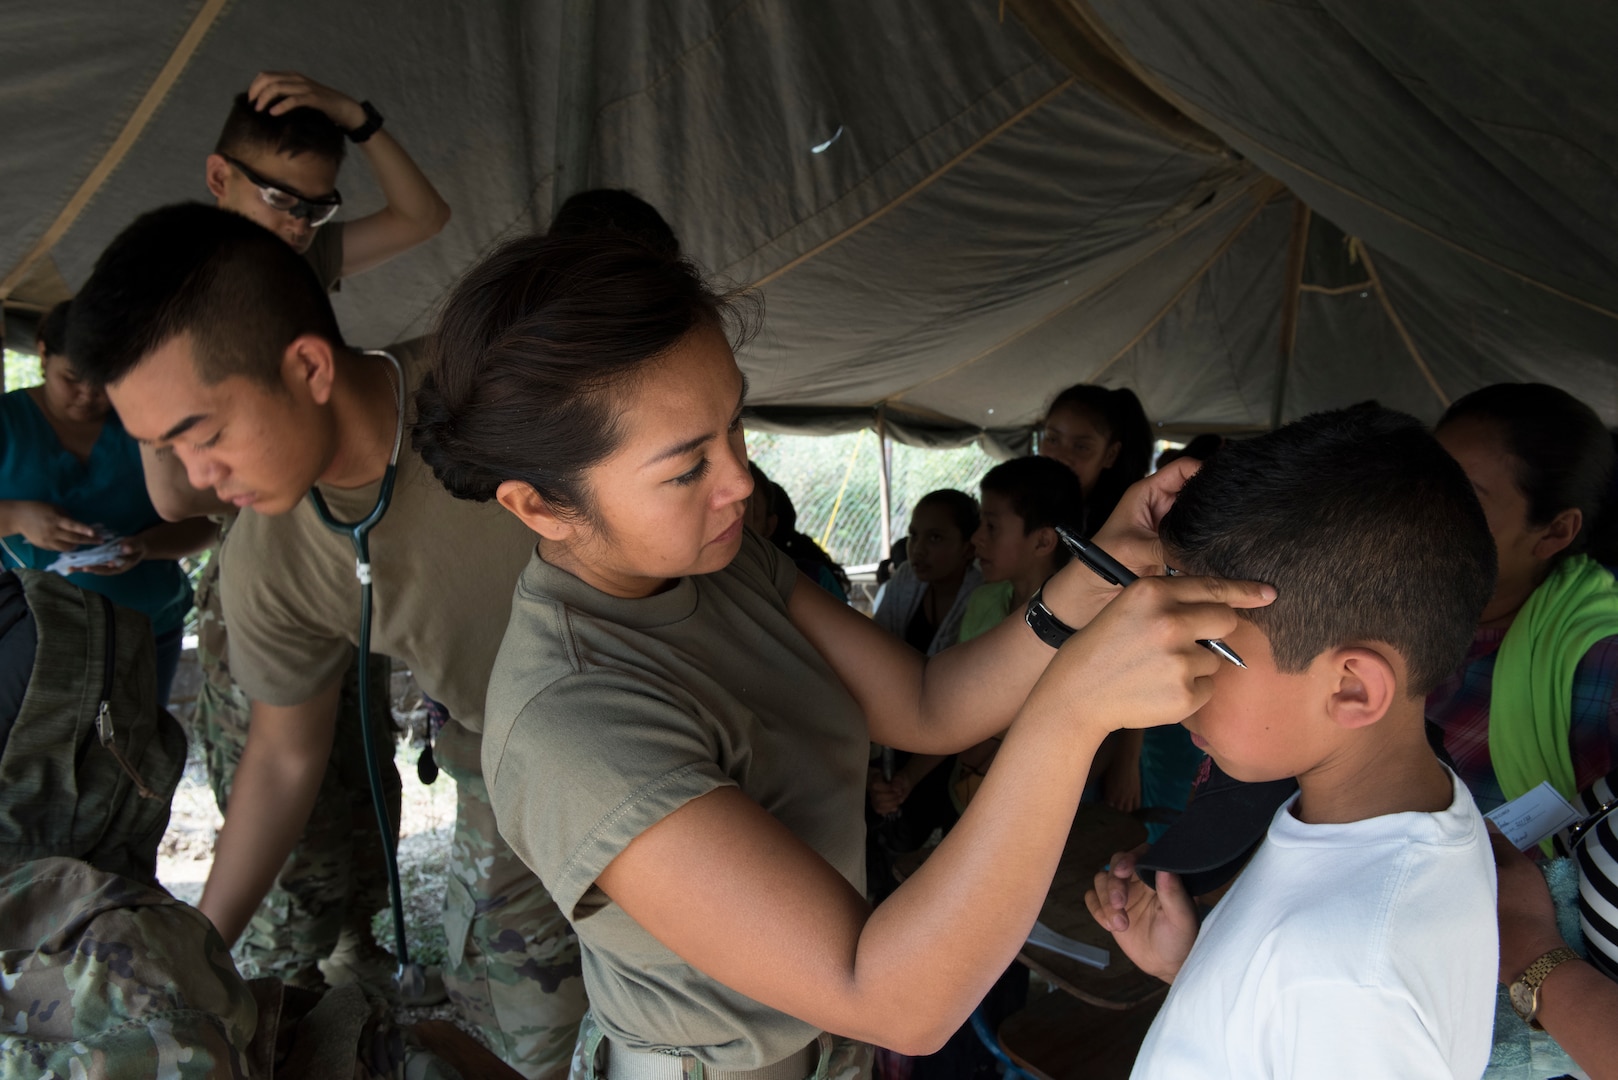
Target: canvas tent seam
column 1154, row 79
column 1190, row 282
column 1168, row 240
column 924, row 183
column 1399, row 326
column 125, row 141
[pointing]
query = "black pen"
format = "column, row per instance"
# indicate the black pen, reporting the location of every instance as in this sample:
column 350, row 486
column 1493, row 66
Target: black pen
column 1114, row 572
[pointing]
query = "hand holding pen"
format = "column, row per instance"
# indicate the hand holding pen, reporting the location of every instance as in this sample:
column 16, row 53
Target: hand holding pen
column 1114, row 572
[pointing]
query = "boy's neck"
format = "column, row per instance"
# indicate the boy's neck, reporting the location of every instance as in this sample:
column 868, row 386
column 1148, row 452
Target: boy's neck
column 1377, row 772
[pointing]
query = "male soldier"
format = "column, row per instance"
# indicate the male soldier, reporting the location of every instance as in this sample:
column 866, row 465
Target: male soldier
column 276, row 162
column 216, row 340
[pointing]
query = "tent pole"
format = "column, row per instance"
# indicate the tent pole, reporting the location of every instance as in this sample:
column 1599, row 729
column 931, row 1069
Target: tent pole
column 575, row 98
column 1296, row 250
column 884, row 492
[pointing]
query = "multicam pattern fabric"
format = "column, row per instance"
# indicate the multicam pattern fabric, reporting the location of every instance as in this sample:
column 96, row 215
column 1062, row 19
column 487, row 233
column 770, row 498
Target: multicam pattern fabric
column 335, row 880
column 839, row 1058
column 513, row 968
column 103, row 977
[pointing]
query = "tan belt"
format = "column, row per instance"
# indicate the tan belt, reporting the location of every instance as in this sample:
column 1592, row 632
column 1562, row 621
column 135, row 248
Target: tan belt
column 622, row 1064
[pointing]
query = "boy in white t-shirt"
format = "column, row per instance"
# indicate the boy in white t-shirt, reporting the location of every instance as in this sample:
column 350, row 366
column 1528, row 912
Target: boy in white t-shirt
column 1360, row 940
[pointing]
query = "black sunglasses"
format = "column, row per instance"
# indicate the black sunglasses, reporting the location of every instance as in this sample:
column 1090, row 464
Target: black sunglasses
column 315, row 211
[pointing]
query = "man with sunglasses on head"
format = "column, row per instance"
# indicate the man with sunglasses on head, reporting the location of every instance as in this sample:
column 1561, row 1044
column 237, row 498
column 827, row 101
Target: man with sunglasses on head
column 276, row 162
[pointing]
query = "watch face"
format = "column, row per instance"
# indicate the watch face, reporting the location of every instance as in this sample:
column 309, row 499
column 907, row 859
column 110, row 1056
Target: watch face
column 1524, row 998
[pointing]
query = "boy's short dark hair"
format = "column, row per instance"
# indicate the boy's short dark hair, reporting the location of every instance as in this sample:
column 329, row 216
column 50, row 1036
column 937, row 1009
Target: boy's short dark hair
column 961, row 507
column 237, row 289
column 1042, row 492
column 1366, row 527
column 297, row 131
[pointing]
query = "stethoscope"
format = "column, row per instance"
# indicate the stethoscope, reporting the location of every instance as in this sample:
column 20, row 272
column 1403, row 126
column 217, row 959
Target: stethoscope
column 359, row 535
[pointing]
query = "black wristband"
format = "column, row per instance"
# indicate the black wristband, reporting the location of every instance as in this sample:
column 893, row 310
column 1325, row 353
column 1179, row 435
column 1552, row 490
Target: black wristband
column 372, row 125
column 1051, row 630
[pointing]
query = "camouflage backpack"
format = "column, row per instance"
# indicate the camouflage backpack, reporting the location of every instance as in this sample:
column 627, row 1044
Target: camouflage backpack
column 88, row 762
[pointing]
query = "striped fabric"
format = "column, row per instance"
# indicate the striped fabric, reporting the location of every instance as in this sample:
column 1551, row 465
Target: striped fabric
column 1597, row 854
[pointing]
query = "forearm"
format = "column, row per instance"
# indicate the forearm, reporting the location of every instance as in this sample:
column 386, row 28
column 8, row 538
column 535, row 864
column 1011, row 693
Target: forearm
column 11, row 514
column 408, row 191
column 177, row 539
column 1578, row 1007
column 270, row 799
column 980, row 891
column 944, row 703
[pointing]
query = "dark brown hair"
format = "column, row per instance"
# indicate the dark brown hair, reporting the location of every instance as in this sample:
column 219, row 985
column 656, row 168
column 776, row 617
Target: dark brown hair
column 297, row 131
column 1563, row 456
column 1368, row 530
column 532, row 350
column 236, row 288
column 1119, row 415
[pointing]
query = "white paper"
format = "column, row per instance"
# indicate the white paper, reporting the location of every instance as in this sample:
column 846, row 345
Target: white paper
column 71, row 561
column 1046, row 938
column 1530, row 818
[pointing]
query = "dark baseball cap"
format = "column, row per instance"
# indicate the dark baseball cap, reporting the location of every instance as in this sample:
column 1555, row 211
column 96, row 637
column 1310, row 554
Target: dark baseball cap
column 1211, row 841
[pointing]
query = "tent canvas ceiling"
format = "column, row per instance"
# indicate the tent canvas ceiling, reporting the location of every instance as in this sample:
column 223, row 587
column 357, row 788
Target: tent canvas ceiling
column 1243, row 210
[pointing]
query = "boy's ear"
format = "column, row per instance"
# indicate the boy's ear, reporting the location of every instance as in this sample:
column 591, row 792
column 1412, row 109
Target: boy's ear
column 1045, row 541
column 310, row 363
column 532, row 510
column 1562, row 531
column 215, row 173
column 1366, row 684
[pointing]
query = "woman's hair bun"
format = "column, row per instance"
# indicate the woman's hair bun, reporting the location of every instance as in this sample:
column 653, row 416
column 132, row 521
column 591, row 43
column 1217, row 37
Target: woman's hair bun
column 434, row 438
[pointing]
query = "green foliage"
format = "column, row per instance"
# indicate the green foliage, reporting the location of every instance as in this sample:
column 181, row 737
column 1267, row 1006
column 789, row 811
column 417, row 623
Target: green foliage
column 22, row 369
column 838, row 473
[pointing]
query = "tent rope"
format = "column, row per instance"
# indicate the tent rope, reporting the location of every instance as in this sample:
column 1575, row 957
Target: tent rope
column 1207, row 120
column 144, row 111
column 1297, row 249
column 923, row 184
column 1398, row 324
column 1201, row 272
column 1173, row 237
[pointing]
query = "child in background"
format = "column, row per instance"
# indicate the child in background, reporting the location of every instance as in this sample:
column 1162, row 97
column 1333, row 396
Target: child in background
column 1360, row 940
column 1018, row 550
column 926, row 596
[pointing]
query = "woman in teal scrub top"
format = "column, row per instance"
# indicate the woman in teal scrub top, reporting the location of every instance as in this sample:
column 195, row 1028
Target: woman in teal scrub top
column 69, row 475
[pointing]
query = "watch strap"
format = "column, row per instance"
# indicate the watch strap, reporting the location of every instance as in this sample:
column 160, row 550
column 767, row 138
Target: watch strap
column 372, row 125
column 1046, row 626
column 1538, row 972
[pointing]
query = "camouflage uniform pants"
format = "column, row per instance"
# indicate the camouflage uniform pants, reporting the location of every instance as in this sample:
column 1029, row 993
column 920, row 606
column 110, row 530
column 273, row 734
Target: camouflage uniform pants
column 840, row 1058
column 513, row 967
column 336, row 877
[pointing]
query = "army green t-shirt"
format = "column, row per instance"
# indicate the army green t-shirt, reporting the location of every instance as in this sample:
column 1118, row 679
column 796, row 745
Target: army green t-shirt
column 325, row 254
column 606, row 715
column 442, row 574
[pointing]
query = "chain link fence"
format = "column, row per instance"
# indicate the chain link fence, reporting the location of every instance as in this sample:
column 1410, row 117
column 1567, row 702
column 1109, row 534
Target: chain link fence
column 832, row 480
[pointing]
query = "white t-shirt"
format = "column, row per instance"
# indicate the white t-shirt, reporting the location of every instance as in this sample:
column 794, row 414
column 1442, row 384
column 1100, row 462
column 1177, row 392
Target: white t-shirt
column 1363, row 950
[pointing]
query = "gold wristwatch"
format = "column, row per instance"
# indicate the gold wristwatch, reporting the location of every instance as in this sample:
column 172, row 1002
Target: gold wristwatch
column 1525, row 991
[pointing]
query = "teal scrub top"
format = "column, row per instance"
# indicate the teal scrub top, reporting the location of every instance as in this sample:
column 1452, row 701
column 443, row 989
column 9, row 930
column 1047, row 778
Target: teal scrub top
column 108, row 490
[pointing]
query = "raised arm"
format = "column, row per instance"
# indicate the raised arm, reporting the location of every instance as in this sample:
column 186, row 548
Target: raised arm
column 269, row 803
column 414, row 213
column 774, row 921
column 967, row 693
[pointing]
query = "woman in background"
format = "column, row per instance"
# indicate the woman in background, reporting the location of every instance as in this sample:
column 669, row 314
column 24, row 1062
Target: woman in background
column 70, row 477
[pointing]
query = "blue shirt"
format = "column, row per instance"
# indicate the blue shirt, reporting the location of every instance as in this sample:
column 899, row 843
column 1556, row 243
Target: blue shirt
column 108, row 490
